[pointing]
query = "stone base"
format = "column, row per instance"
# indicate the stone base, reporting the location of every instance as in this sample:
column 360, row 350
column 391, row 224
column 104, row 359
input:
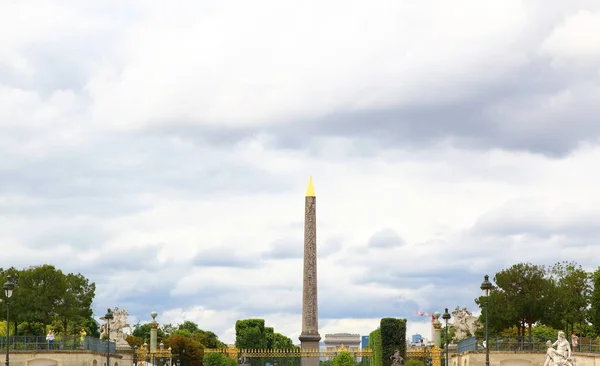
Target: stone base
column 309, row 342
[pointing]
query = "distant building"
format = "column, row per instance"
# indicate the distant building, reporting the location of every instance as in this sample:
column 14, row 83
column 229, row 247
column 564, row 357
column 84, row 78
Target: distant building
column 364, row 343
column 351, row 341
column 416, row 338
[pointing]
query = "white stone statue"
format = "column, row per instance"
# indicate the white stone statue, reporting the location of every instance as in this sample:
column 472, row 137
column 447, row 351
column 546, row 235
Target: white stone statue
column 561, row 355
column 464, row 323
column 117, row 324
column 397, row 359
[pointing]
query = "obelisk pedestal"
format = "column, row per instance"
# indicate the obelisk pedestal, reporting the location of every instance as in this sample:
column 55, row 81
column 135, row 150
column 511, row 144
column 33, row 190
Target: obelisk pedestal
column 309, row 338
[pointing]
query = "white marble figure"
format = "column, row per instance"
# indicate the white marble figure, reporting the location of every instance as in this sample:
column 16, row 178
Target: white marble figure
column 561, row 355
column 397, row 359
column 117, row 324
column 464, row 323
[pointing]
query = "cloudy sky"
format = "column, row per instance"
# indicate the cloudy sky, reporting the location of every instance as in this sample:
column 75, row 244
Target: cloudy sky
column 162, row 149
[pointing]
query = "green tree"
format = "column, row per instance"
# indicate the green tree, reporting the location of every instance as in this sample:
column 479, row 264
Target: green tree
column 502, row 313
column 188, row 350
column 451, row 334
column 189, row 325
column 208, row 339
column 143, row 331
column 574, row 289
column 270, row 336
column 594, row 312
column 525, row 291
column 75, row 303
column 343, row 358
column 250, row 334
column 43, row 288
column 283, row 342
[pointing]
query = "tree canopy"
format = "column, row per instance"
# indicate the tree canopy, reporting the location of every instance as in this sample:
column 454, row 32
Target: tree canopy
column 562, row 296
column 46, row 297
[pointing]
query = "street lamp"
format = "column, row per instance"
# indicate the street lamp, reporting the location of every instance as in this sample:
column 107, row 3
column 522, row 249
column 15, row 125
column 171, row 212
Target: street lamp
column 9, row 287
column 109, row 316
column 135, row 349
column 486, row 286
column 446, row 317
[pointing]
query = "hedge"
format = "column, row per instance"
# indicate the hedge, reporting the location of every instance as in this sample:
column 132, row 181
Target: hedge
column 375, row 346
column 393, row 337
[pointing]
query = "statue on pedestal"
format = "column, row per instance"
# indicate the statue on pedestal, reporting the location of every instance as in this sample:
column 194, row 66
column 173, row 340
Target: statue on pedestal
column 397, row 359
column 117, row 324
column 464, row 323
column 561, row 355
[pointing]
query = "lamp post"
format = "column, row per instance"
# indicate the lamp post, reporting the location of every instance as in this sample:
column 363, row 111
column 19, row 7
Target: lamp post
column 446, row 317
column 486, row 286
column 9, row 287
column 135, row 349
column 108, row 317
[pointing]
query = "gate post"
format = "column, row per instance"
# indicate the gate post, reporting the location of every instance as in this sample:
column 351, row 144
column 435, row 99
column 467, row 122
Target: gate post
column 436, row 356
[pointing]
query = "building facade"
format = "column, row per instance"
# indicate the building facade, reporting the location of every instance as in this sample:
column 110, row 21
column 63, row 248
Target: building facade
column 351, row 341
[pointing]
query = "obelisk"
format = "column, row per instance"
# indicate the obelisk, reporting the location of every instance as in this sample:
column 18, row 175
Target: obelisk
column 309, row 338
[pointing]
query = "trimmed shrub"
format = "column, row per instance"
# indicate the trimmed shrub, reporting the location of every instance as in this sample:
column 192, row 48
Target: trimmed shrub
column 393, row 337
column 375, row 346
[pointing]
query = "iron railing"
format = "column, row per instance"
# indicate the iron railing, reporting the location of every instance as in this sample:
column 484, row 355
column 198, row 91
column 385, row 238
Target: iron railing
column 39, row 343
column 519, row 344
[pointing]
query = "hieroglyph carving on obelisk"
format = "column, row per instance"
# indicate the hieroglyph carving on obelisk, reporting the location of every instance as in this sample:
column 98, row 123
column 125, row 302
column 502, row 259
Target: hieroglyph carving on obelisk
column 309, row 338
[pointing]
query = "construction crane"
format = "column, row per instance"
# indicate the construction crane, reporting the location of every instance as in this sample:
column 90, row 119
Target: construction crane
column 422, row 313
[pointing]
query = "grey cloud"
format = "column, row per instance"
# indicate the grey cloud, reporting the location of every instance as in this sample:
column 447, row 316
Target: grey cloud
column 329, row 247
column 386, row 238
column 225, row 257
column 523, row 218
column 286, row 248
column 80, row 236
column 114, row 170
column 506, row 114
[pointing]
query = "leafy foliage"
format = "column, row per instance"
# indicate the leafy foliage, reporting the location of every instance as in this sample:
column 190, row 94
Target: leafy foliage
column 218, row 359
column 375, row 346
column 393, row 337
column 528, row 295
column 343, row 358
column 413, row 362
column 451, row 334
column 250, row 334
column 594, row 312
column 188, row 350
column 46, row 297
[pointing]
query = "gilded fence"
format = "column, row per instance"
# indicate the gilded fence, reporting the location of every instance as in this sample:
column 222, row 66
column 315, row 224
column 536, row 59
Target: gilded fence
column 236, row 353
column 432, row 353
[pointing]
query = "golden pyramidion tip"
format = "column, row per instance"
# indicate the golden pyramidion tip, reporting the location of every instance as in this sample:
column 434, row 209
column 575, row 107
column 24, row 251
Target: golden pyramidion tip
column 310, row 191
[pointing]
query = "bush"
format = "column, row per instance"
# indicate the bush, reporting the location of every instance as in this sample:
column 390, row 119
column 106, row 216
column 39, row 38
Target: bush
column 413, row 362
column 343, row 358
column 375, row 346
column 218, row 359
column 393, row 337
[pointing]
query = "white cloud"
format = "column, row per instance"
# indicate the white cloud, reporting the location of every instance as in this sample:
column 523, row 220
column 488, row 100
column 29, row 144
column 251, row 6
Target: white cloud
column 163, row 151
column 577, row 39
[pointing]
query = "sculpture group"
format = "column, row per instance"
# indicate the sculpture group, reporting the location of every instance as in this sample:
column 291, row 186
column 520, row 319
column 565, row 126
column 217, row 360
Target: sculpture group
column 561, row 355
column 397, row 359
column 117, row 324
column 464, row 323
